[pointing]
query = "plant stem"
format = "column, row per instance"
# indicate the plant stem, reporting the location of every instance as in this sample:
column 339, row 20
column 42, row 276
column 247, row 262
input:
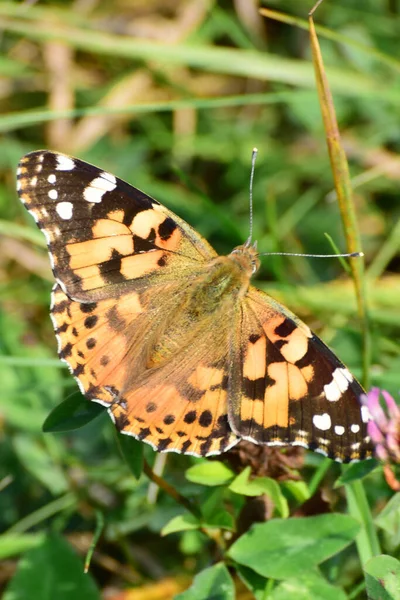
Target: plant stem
column 170, row 490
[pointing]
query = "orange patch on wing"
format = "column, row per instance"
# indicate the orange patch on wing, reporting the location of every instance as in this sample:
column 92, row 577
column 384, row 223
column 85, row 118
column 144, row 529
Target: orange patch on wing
column 308, row 373
column 271, row 324
column 205, row 377
column 104, row 228
column 97, row 352
column 276, row 400
column 252, row 410
column 163, row 413
column 255, row 362
column 296, row 347
column 91, row 277
column 117, row 215
column 297, row 384
column 172, row 242
column 129, row 305
column 96, row 251
column 145, row 221
column 140, row 264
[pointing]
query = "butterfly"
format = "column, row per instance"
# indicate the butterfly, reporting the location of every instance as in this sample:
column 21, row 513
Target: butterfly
column 172, row 338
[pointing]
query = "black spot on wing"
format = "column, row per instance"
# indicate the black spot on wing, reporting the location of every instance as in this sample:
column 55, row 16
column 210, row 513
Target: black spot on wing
column 190, row 417
column 166, row 228
column 285, row 328
column 88, row 307
column 205, row 418
column 254, row 337
column 169, row 419
column 163, row 444
column 121, row 421
column 91, row 321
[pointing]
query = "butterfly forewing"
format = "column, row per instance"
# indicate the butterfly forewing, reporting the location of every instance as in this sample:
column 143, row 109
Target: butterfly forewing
column 102, row 233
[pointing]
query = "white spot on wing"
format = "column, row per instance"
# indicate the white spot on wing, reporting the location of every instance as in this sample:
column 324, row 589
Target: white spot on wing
column 65, row 209
column 34, row 181
column 51, row 178
column 355, row 428
column 339, row 429
column 53, row 194
column 97, row 188
column 110, row 177
column 365, row 414
column 302, row 433
column 322, row 422
column 334, row 390
column 64, row 163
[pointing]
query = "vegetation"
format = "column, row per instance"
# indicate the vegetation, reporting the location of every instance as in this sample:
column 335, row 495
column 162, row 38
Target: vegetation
column 172, row 97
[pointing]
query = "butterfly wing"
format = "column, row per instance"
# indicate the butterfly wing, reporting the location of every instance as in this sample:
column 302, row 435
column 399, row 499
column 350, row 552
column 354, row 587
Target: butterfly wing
column 290, row 388
column 103, row 235
column 114, row 352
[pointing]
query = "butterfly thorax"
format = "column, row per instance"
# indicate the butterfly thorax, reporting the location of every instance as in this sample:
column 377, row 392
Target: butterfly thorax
column 215, row 290
column 225, row 278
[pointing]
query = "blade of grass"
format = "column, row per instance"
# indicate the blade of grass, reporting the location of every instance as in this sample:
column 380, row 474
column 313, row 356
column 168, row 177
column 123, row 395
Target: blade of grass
column 386, row 252
column 21, row 232
column 242, row 63
column 22, row 119
column 341, row 175
column 367, row 540
column 43, row 513
column 332, row 35
column 96, row 536
column 336, row 249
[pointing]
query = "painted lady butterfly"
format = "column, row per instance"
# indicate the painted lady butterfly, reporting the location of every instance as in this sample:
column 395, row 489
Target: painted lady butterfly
column 172, row 338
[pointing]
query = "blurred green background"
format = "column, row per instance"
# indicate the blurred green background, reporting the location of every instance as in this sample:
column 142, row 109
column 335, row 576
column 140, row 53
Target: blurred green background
column 172, row 96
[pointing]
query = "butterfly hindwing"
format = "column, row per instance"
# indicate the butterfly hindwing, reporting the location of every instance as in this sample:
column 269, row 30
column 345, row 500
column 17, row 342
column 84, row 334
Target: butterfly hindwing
column 111, row 348
column 293, row 389
column 102, row 233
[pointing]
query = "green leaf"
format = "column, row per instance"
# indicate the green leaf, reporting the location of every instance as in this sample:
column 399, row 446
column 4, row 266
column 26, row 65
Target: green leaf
column 389, row 518
column 257, row 487
column 16, row 543
column 255, row 582
column 213, row 512
column 286, row 548
column 52, row 570
column 220, row 520
column 306, row 586
column 37, row 461
column 210, row 473
column 382, row 576
column 73, row 413
column 181, row 523
column 213, row 583
column 296, row 490
column 356, row 471
column 132, row 451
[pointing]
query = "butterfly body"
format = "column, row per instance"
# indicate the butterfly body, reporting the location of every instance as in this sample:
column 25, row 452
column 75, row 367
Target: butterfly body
column 185, row 353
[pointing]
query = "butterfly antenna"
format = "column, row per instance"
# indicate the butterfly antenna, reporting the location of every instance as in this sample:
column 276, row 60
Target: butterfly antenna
column 253, row 164
column 351, row 255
